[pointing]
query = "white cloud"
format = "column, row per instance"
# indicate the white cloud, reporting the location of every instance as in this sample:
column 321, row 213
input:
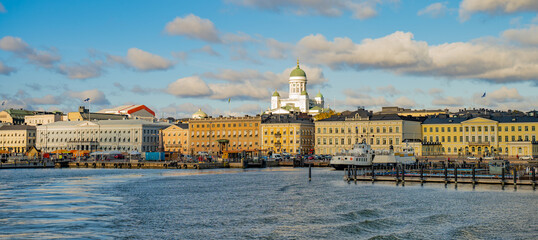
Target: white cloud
column 239, row 37
column 2, row 8
column 449, row 101
column 435, row 91
column 189, row 87
column 96, row 96
column 194, row 27
column 400, row 53
column 6, row 70
column 43, row 58
column 45, row 100
column 469, row 7
column 276, row 49
column 360, row 9
column 526, row 36
column 207, row 49
column 244, row 90
column 142, row 60
column 82, row 71
column 145, row 61
column 248, row 108
column 405, row 102
column 388, row 90
column 355, row 98
column 13, row 44
column 434, row 10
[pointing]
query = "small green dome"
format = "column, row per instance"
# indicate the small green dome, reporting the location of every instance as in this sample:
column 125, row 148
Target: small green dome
column 319, row 95
column 275, row 94
column 199, row 114
column 304, row 92
column 298, row 72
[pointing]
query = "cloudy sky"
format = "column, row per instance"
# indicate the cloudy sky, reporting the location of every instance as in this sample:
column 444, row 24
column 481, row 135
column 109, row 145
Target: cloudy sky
column 178, row 56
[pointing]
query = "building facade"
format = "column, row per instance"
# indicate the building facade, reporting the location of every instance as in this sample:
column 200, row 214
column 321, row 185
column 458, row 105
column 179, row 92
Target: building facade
column 84, row 114
column 132, row 112
column 291, row 133
column 481, row 136
column 17, row 138
column 176, row 138
column 341, row 132
column 215, row 135
column 14, row 116
column 104, row 135
column 298, row 99
column 40, row 119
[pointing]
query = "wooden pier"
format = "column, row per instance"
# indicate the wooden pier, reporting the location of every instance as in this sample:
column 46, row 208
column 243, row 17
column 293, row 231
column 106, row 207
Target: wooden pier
column 446, row 175
column 140, row 165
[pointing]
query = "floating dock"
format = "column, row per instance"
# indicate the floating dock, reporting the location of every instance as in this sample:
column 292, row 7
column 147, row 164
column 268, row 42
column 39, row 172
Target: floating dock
column 419, row 174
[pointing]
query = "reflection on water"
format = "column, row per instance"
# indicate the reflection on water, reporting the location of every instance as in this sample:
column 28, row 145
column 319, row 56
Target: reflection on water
column 272, row 203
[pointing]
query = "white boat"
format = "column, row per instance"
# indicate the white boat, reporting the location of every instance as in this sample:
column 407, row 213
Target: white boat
column 406, row 156
column 360, row 156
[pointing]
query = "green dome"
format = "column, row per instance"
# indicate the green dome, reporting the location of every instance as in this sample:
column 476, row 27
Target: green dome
column 298, row 72
column 319, row 95
column 199, row 114
column 275, row 94
column 304, row 92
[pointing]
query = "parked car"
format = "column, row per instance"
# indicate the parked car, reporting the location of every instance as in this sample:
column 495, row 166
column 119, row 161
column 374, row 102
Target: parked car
column 526, row 158
column 472, row 158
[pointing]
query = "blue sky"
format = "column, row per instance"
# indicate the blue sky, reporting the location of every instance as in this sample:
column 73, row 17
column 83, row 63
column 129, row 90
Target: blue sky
column 178, row 56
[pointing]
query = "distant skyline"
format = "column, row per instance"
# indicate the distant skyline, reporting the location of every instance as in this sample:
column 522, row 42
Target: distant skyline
column 178, row 56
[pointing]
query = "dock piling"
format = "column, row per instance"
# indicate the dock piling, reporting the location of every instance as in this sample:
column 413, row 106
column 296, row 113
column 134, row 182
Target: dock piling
column 533, row 170
column 421, row 174
column 455, row 173
column 310, row 172
column 474, row 176
column 373, row 174
column 502, row 177
column 515, row 178
column 446, row 173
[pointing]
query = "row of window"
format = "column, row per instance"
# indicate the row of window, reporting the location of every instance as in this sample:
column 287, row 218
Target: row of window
column 360, row 129
column 298, row 132
column 224, row 125
column 303, row 141
column 341, row 141
column 30, row 141
column 479, row 129
column 233, row 144
column 479, row 138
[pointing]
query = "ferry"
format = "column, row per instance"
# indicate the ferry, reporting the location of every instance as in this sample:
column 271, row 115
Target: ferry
column 362, row 155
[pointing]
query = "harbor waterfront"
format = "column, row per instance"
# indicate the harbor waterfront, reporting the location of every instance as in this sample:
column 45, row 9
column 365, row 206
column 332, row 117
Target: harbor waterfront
column 271, row 203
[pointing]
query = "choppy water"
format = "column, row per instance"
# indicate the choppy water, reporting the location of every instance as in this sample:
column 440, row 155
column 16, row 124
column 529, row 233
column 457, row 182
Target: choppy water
column 236, row 204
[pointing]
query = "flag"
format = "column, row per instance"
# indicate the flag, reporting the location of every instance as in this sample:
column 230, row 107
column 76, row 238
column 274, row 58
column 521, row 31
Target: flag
column 87, row 99
column 484, row 95
column 3, row 103
column 229, row 99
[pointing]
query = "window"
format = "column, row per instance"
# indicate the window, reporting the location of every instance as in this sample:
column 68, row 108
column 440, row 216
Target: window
column 442, row 138
column 448, row 129
column 442, row 129
column 436, row 129
column 526, row 128
column 425, row 129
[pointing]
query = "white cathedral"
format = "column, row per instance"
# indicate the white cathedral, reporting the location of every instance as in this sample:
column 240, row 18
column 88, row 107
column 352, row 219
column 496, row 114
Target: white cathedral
column 298, row 99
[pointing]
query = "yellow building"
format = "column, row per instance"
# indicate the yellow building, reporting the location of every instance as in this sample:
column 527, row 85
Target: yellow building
column 84, row 114
column 14, row 116
column 412, row 112
column 481, row 136
column 341, row 132
column 17, row 138
column 40, row 119
column 288, row 133
column 176, row 138
column 208, row 135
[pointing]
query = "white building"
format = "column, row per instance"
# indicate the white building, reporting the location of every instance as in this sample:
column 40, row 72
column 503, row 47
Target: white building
column 132, row 112
column 104, row 135
column 298, row 99
column 40, row 119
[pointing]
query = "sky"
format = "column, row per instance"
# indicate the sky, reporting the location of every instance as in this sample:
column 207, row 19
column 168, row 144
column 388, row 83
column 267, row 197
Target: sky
column 178, row 56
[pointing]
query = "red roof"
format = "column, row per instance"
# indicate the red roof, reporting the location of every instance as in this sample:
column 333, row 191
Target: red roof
column 140, row 107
